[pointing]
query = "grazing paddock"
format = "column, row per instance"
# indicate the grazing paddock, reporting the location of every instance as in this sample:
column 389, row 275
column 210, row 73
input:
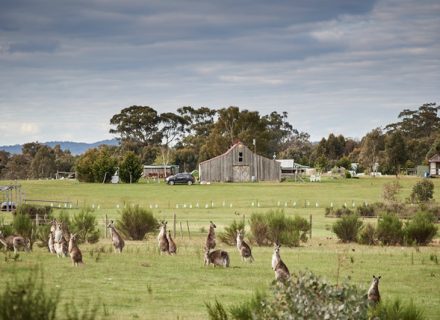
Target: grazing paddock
column 140, row 283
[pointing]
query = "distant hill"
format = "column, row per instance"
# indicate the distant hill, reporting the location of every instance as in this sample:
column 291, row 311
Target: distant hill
column 74, row 147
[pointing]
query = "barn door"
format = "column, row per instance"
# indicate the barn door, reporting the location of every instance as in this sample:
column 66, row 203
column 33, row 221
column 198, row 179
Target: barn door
column 241, row 173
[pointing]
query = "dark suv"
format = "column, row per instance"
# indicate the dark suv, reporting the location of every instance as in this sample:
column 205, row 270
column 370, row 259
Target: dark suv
column 182, row 178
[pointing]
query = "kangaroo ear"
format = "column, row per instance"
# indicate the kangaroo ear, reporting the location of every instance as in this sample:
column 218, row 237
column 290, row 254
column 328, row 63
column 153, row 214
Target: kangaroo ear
column 379, row 277
column 374, row 277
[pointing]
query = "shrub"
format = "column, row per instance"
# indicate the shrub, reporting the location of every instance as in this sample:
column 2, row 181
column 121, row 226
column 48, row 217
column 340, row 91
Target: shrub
column 259, row 229
column 42, row 235
column 396, row 310
column 367, row 235
column 229, row 236
column 64, row 217
column 274, row 226
column 422, row 191
column 27, row 299
column 6, row 229
column 84, row 224
column 44, row 212
column 347, row 227
column 338, row 212
column 96, row 165
column 306, row 297
column 23, row 225
column 389, row 229
column 421, row 229
column 390, row 191
column 131, row 168
column 366, row 211
column 136, row 222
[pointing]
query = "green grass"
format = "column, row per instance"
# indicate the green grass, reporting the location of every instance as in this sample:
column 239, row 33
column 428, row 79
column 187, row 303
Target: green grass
column 141, row 284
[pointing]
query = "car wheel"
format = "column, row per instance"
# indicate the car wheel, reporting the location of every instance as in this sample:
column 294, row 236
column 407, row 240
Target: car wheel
column 190, row 182
column 171, row 183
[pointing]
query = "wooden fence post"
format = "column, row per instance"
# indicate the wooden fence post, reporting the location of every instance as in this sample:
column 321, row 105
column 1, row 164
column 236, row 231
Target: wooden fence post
column 174, row 225
column 187, row 225
column 106, row 224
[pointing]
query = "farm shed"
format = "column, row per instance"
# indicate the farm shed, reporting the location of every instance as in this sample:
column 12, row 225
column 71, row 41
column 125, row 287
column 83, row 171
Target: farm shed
column 239, row 164
column 151, row 171
column 291, row 169
column 434, row 166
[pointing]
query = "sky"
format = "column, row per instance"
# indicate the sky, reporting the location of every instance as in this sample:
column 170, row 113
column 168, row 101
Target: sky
column 340, row 66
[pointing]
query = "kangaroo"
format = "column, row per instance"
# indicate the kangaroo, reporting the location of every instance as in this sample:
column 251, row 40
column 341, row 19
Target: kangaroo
column 217, row 258
column 118, row 242
column 373, row 292
column 58, row 233
column 243, row 247
column 60, row 243
column 210, row 240
column 53, row 225
column 15, row 243
column 162, row 238
column 172, row 248
column 281, row 271
column 51, row 243
column 75, row 253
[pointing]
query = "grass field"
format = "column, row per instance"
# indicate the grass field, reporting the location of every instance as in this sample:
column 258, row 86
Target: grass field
column 141, row 284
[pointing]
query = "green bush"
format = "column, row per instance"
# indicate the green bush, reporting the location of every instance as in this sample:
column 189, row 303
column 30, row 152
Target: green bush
column 6, row 229
column 259, row 229
column 42, row 235
column 136, row 222
column 395, row 309
column 367, row 210
column 337, row 212
column 347, row 228
column 422, row 191
column 64, row 217
column 131, row 168
column 27, row 299
column 306, row 297
column 389, row 229
column 367, row 235
column 44, row 212
column 23, row 225
column 84, row 224
column 229, row 236
column 274, row 226
column 421, row 229
column 96, row 165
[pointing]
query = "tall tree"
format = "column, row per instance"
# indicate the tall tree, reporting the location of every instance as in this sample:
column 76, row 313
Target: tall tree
column 137, row 124
column 418, row 123
column 299, row 148
column 172, row 128
column 43, row 164
column 395, row 149
column 370, row 148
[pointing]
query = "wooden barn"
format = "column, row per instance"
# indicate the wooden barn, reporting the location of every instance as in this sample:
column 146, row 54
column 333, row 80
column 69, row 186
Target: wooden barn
column 239, row 164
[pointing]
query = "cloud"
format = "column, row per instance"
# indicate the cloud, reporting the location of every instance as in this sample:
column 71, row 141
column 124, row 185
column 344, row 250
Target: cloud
column 80, row 62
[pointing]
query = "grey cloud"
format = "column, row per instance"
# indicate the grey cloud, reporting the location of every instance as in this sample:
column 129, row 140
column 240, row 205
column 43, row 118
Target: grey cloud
column 322, row 61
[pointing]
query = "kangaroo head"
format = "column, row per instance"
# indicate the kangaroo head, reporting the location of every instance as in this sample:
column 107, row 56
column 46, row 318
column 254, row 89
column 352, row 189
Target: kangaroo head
column 376, row 279
column 110, row 225
column 277, row 247
column 212, row 224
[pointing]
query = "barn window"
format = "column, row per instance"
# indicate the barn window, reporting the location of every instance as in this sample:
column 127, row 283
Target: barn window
column 240, row 157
